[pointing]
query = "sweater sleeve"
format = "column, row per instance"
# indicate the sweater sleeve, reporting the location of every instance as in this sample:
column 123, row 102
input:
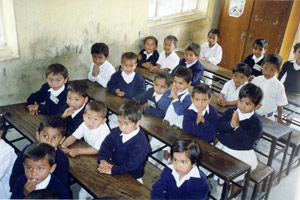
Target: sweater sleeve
column 180, row 106
column 197, row 73
column 142, row 98
column 160, row 188
column 106, row 150
column 112, row 83
column 39, row 96
column 18, row 170
column 141, row 61
column 223, row 123
column 200, row 190
column 17, row 191
column 141, row 88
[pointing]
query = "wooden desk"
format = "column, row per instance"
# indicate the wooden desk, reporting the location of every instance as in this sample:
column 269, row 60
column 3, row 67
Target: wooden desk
column 293, row 99
column 226, row 74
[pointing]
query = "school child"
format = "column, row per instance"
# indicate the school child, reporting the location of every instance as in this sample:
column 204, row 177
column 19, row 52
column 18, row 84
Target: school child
column 127, row 83
column 39, row 165
column 51, row 131
column 274, row 93
column 157, row 106
column 200, row 118
column 149, row 55
column 240, row 127
column 211, row 51
column 230, row 92
column 101, row 69
column 190, row 60
column 256, row 59
column 53, row 93
column 126, row 146
column 168, row 59
column 290, row 73
column 77, row 99
column 183, row 178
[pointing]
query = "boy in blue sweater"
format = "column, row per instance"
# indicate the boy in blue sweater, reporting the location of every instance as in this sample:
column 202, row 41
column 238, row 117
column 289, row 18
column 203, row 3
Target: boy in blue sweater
column 149, row 55
column 39, row 164
column 127, row 83
column 126, row 146
column 53, row 93
column 201, row 117
column 183, row 179
column 51, row 131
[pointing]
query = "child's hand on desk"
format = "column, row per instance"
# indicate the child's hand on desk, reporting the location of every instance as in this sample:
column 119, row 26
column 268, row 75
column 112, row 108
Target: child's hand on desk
column 147, row 65
column 200, row 117
column 154, row 69
column 205, row 58
column 33, row 108
column 29, row 186
column 235, row 121
column 174, row 92
column 119, row 93
column 68, row 112
column 73, row 152
column 222, row 102
column 105, row 167
column 95, row 70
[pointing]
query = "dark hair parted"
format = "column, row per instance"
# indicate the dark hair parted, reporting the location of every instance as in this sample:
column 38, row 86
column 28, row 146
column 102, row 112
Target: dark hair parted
column 194, row 47
column 260, row 42
column 251, row 91
column 189, row 147
column 214, row 31
column 53, row 122
column 172, row 38
column 57, row 69
column 296, row 46
column 96, row 106
column 131, row 110
column 129, row 56
column 202, row 88
column 242, row 68
column 164, row 75
column 38, row 151
column 100, row 48
column 78, row 87
column 151, row 38
column 273, row 59
column 43, row 194
column 184, row 72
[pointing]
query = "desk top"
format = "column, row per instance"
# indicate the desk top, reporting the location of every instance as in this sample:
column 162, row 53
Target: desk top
column 293, row 99
column 218, row 70
column 274, row 129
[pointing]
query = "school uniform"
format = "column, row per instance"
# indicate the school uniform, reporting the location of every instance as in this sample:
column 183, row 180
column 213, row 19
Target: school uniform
column 51, row 182
column 54, row 100
column 290, row 76
column 132, row 84
column 128, row 151
column 106, row 70
column 61, row 171
column 205, row 131
column 231, row 93
column 192, row 186
column 168, row 62
column 148, row 57
column 214, row 53
column 255, row 64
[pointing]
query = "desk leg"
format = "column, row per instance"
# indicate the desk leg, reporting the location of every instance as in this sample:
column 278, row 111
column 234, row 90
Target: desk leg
column 284, row 156
column 246, row 184
column 271, row 153
column 225, row 190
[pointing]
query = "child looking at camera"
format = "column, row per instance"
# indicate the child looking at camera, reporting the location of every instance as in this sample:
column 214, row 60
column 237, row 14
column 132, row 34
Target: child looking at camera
column 149, row 55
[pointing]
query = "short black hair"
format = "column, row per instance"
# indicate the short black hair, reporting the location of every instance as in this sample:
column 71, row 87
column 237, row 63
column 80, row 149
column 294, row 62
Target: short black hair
column 131, row 110
column 57, row 69
column 242, row 68
column 190, row 148
column 38, row 151
column 96, row 106
column 184, row 72
column 151, row 38
column 172, row 38
column 164, row 75
column 43, row 194
column 296, row 46
column 214, row 31
column 260, row 42
column 194, row 47
column 202, row 88
column 251, row 91
column 128, row 55
column 100, row 48
column 78, row 87
column 53, row 122
column 273, row 59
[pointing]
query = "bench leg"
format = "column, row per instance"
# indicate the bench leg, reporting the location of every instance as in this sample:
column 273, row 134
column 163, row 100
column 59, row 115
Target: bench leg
column 269, row 186
column 290, row 161
column 254, row 193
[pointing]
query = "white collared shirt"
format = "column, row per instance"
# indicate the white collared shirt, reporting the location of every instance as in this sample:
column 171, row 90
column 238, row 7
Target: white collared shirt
column 230, row 92
column 193, row 107
column 105, row 72
column 168, row 62
column 77, row 111
column 57, row 92
column 243, row 116
column 256, row 60
column 189, row 65
column 44, row 183
column 126, row 137
column 128, row 78
column 157, row 96
column 194, row 172
column 214, row 53
column 148, row 54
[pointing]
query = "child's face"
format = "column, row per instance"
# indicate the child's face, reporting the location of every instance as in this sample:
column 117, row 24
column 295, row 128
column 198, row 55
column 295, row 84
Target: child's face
column 180, row 83
column 269, row 70
column 50, row 136
column 239, row 79
column 246, row 105
column 150, row 45
column 93, row 119
column 201, row 100
column 182, row 164
column 75, row 100
column 169, row 46
column 37, row 171
column 297, row 55
column 126, row 125
column 98, row 59
column 56, row 81
column 190, row 56
column 160, row 86
column 258, row 50
column 212, row 39
column 128, row 65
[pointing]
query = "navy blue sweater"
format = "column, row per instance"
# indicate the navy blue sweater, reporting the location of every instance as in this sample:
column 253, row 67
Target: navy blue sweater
column 205, row 131
column 153, row 58
column 242, row 138
column 130, row 157
column 179, row 106
column 251, row 64
column 166, row 188
column 136, row 87
column 55, row 184
column 292, row 81
column 43, row 95
column 61, row 171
